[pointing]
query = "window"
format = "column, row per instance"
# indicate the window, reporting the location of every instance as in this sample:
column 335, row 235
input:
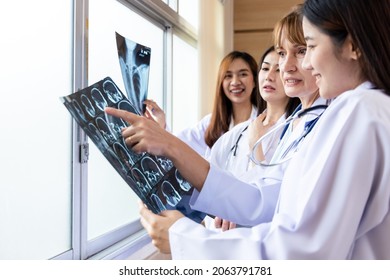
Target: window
column 35, row 181
column 51, row 205
column 185, row 91
column 189, row 10
column 112, row 206
column 111, row 203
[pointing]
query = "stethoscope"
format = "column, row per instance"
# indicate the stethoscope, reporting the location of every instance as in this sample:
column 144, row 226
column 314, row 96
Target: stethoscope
column 298, row 113
column 235, row 146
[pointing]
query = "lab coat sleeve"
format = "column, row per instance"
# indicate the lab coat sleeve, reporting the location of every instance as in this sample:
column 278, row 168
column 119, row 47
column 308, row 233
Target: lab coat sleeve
column 194, row 136
column 190, row 240
column 230, row 198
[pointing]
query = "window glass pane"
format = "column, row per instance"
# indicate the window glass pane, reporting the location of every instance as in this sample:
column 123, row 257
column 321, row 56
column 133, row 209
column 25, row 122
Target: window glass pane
column 35, row 181
column 111, row 202
column 172, row 4
column 185, row 85
column 189, row 9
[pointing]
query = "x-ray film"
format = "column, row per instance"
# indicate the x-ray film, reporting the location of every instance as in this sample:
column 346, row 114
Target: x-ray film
column 154, row 179
column 134, row 60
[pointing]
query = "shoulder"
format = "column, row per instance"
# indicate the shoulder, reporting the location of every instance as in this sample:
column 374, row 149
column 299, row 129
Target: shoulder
column 363, row 100
column 231, row 134
column 230, row 137
column 237, row 129
column 205, row 120
column 360, row 112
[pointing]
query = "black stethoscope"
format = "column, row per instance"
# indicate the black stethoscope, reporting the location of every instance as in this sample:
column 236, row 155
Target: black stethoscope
column 235, row 146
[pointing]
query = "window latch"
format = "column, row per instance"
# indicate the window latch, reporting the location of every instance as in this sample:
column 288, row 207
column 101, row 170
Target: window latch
column 84, row 153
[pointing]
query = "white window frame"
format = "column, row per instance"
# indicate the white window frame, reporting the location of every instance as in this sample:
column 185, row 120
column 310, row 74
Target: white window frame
column 128, row 239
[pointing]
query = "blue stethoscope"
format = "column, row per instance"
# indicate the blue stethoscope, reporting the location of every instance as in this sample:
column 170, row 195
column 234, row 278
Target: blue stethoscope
column 298, row 113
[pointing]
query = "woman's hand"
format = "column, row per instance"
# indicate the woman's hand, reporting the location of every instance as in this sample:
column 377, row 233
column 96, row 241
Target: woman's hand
column 256, row 129
column 154, row 112
column 223, row 224
column 158, row 226
column 143, row 134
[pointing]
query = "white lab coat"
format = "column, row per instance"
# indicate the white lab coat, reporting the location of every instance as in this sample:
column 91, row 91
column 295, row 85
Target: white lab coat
column 222, row 154
column 334, row 198
column 194, row 135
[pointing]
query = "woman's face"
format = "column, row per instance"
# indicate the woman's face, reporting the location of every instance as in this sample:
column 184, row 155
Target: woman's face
column 336, row 70
column 270, row 83
column 297, row 81
column 238, row 82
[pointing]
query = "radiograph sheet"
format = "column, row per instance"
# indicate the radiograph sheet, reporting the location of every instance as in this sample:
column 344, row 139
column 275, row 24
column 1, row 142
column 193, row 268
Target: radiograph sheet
column 134, row 61
column 154, row 179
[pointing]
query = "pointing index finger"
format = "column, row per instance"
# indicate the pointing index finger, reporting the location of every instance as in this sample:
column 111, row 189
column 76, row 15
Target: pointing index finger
column 123, row 114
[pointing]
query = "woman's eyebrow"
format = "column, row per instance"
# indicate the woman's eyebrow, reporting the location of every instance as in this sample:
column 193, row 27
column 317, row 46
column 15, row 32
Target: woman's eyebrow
column 240, row 70
column 308, row 38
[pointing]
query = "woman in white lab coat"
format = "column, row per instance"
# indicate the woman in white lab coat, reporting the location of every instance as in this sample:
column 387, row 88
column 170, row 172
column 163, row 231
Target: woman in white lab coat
column 236, row 100
column 334, row 198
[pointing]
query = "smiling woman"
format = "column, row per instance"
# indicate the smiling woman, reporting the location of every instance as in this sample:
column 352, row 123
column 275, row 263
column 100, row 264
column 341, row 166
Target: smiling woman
column 236, row 100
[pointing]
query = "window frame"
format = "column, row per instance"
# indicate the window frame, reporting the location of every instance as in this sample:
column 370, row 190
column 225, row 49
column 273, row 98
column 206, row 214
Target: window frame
column 129, row 238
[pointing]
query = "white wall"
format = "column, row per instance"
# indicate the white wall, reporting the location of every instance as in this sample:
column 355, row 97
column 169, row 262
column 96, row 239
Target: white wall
column 215, row 41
